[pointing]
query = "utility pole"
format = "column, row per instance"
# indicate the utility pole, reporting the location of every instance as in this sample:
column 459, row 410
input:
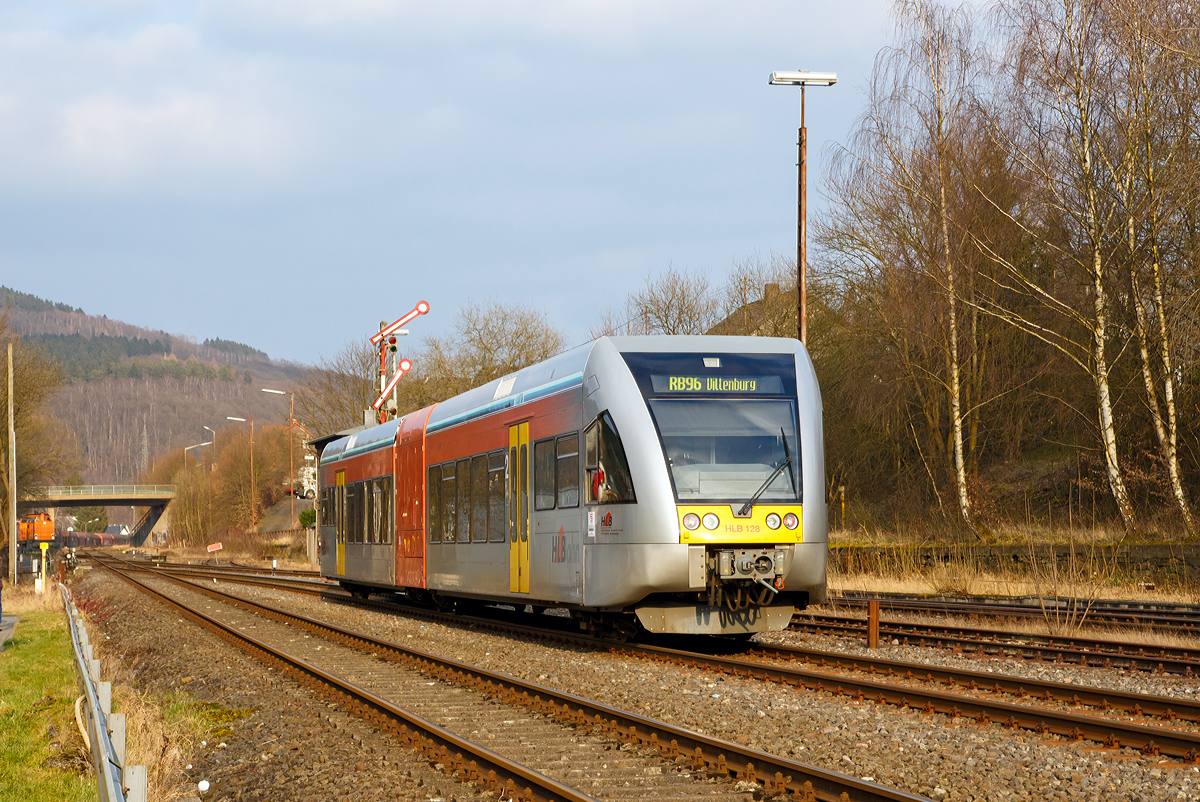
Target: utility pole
column 12, row 478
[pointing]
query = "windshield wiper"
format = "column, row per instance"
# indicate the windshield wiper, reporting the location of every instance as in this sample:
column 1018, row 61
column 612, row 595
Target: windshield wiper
column 787, row 461
column 749, row 505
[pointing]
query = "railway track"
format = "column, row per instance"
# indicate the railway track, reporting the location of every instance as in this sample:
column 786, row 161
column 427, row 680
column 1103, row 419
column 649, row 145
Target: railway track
column 973, row 641
column 908, row 685
column 985, row 642
column 522, row 758
column 1158, row 616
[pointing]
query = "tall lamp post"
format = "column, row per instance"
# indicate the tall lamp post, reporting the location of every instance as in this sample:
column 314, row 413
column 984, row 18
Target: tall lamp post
column 212, row 438
column 802, row 79
column 252, row 498
column 186, row 449
column 291, row 439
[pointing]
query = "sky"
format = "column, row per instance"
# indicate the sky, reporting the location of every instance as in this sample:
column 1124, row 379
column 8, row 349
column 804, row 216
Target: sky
column 288, row 173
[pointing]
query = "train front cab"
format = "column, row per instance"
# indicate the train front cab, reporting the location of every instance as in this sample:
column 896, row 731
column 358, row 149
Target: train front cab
column 704, row 424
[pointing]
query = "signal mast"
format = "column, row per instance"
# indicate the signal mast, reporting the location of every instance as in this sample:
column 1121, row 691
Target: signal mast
column 385, row 409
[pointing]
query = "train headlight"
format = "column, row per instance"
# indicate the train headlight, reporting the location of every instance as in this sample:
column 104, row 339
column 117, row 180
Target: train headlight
column 691, row 521
column 791, row 521
column 711, row 521
column 773, row 521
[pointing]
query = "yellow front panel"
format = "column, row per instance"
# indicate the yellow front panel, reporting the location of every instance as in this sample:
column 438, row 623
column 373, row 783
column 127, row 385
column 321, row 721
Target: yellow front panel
column 741, row 530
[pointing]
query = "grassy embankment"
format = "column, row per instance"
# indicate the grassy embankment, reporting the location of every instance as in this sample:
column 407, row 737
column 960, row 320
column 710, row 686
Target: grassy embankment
column 42, row 754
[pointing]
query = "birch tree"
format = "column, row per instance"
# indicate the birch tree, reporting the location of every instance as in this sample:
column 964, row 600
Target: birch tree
column 1053, row 119
column 1152, row 96
column 906, row 150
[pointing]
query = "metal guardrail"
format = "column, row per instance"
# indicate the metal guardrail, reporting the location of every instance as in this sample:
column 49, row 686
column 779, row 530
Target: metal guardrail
column 105, row 729
column 108, row 490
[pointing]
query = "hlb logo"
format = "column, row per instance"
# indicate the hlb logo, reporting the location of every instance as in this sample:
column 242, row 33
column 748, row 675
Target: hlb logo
column 606, row 520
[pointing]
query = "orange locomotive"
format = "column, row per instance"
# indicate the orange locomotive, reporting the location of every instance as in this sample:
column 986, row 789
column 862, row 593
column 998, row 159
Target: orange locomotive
column 35, row 528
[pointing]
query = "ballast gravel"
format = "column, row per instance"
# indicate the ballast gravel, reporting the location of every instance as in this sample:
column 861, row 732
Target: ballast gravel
column 931, row 755
column 272, row 739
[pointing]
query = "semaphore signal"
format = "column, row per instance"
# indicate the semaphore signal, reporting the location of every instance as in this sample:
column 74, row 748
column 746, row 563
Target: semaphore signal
column 421, row 308
column 386, row 340
column 404, row 367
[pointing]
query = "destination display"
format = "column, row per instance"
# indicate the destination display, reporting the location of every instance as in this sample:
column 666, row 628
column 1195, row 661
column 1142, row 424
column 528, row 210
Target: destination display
column 763, row 385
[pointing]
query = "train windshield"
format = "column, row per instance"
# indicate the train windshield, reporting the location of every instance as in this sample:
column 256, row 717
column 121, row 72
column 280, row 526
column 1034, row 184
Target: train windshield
column 728, row 423
column 723, row 449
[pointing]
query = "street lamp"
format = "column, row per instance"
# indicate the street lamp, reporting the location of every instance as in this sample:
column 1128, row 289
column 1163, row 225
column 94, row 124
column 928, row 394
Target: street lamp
column 211, row 439
column 189, row 448
column 802, row 78
column 252, row 498
column 291, row 439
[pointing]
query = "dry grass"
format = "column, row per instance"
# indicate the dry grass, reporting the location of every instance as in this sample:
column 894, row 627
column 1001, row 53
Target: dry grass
column 158, row 731
column 23, row 599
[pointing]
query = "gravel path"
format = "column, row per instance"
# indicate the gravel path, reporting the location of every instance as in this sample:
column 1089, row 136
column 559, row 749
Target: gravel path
column 929, row 755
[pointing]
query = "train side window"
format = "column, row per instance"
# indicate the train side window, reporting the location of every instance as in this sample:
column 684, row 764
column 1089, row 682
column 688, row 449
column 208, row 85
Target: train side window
column 433, row 507
column 448, row 503
column 479, row 499
column 360, row 510
column 368, row 509
column 497, row 519
column 389, row 514
column 543, row 475
column 464, row 500
column 591, row 444
column 568, row 470
column 351, row 518
column 376, row 535
column 609, row 480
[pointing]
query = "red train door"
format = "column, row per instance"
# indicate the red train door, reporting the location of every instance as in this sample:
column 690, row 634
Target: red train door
column 410, row 500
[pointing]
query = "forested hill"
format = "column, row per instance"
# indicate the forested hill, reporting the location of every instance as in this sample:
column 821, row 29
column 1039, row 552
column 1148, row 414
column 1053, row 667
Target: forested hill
column 77, row 339
column 131, row 392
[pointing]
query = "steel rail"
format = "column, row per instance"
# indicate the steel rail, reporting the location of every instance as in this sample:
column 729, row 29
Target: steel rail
column 776, row 774
column 1091, row 652
column 1137, row 704
column 502, row 775
column 1034, row 603
column 1097, row 616
column 1110, row 732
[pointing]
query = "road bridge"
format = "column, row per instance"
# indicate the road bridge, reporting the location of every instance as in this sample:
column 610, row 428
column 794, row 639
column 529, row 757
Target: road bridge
column 154, row 497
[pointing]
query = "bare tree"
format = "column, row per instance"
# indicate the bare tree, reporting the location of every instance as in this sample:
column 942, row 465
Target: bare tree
column 674, row 302
column 895, row 188
column 1151, row 100
column 759, row 298
column 1053, row 121
column 488, row 341
column 45, row 447
column 332, row 396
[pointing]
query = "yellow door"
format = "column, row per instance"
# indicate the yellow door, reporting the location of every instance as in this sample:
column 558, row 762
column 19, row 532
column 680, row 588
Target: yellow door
column 339, row 514
column 518, row 508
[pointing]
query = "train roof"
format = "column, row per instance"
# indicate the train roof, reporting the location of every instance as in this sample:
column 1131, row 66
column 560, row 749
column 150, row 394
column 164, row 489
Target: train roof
column 702, row 343
column 554, row 375
column 366, row 440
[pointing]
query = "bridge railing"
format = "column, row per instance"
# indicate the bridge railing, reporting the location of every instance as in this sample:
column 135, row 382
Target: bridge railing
column 108, row 490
